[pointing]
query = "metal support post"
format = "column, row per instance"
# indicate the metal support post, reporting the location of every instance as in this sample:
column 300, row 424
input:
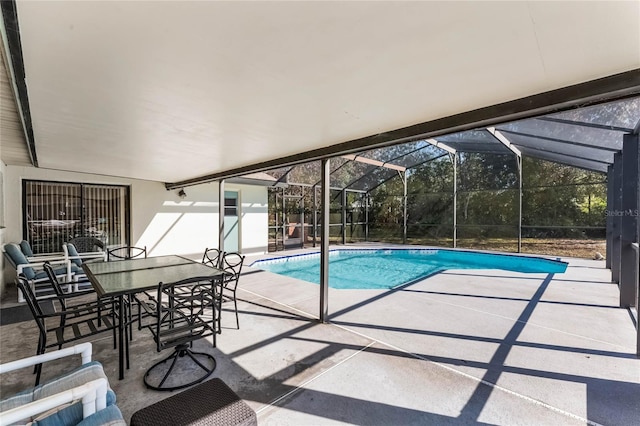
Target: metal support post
column 506, row 142
column 617, row 208
column 315, row 215
column 367, row 200
column 454, row 160
column 344, row 216
column 324, row 250
column 403, row 175
column 636, row 247
column 284, row 219
column 302, row 217
column 221, row 215
column 519, row 161
column 609, row 216
column 629, row 218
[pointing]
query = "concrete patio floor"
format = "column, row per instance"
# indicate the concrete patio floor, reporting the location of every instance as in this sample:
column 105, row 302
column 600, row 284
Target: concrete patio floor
column 460, row 347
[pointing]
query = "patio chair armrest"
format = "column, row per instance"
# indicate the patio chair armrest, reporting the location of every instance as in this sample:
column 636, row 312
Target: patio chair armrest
column 46, row 257
column 84, row 349
column 93, row 395
column 90, row 255
column 40, row 265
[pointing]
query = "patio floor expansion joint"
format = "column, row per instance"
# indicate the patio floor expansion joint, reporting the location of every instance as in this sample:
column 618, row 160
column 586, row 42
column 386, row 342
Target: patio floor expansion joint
column 475, row 379
column 271, row 404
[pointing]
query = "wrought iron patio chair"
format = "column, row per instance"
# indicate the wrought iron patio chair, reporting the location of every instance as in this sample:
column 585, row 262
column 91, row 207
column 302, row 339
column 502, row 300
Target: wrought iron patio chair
column 181, row 317
column 212, row 257
column 231, row 264
column 87, row 244
column 73, row 300
column 74, row 323
column 126, row 253
column 31, row 268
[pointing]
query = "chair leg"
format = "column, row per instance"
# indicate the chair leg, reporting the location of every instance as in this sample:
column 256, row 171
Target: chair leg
column 38, row 372
column 130, row 316
column 235, row 304
column 215, row 342
column 126, row 343
column 39, row 351
column 115, row 335
column 219, row 319
column 42, row 343
column 63, row 320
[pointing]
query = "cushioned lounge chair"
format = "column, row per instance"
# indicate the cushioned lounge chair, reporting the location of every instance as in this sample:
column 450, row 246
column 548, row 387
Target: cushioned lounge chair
column 31, row 268
column 79, row 397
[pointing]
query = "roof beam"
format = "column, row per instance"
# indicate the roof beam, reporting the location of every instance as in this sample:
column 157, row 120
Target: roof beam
column 567, row 160
column 419, row 164
column 592, row 154
column 496, row 134
column 556, row 152
column 585, row 124
column 355, row 157
column 564, row 141
column 373, row 170
column 390, row 160
column 283, row 178
column 441, row 145
column 332, row 172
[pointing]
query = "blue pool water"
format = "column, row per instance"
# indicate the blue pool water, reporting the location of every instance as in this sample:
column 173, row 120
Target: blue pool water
column 389, row 268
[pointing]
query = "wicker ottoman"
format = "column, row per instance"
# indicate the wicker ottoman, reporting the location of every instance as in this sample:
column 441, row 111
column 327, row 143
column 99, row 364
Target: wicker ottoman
column 209, row 403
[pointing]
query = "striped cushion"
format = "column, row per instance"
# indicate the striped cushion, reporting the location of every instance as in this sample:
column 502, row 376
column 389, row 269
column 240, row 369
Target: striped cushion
column 110, row 416
column 70, row 415
column 16, row 400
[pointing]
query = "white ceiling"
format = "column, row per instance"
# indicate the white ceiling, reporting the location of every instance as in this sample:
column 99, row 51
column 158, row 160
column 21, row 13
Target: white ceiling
column 169, row 91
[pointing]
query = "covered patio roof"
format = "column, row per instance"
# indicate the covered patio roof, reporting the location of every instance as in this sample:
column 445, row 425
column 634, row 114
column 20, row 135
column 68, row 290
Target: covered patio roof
column 188, row 92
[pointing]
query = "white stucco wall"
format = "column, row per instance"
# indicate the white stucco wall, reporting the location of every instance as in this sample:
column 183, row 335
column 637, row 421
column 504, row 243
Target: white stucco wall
column 160, row 219
column 2, row 225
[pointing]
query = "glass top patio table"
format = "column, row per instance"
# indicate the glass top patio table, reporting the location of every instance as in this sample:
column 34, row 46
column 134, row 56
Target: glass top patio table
column 124, row 277
column 134, row 276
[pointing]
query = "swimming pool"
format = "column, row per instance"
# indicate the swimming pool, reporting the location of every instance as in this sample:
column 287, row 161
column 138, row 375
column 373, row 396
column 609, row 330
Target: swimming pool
column 389, row 268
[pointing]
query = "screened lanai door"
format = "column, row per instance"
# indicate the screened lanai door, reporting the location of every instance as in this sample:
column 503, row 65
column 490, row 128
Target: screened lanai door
column 55, row 212
column 294, row 232
column 290, row 218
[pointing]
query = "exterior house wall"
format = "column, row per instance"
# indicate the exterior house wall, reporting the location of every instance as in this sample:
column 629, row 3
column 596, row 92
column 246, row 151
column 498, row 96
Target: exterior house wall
column 2, row 224
column 160, row 220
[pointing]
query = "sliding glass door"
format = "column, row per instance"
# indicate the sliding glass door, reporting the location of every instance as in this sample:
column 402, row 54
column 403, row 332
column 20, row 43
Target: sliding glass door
column 55, row 212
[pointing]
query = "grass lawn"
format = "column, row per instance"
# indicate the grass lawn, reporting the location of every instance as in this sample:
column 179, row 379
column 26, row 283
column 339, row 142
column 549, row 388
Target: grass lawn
column 580, row 248
column 547, row 246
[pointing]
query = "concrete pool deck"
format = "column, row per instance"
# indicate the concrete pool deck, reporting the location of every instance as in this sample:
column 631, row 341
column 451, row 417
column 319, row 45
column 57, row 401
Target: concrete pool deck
column 460, row 347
